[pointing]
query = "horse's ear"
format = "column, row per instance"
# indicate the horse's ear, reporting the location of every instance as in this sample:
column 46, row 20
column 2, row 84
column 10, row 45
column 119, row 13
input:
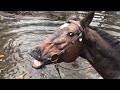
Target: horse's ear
column 87, row 19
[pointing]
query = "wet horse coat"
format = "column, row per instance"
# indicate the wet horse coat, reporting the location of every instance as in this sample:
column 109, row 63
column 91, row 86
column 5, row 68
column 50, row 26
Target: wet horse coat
column 100, row 49
column 97, row 46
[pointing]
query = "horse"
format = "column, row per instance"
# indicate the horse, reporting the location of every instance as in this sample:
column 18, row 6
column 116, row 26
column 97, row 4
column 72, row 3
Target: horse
column 77, row 38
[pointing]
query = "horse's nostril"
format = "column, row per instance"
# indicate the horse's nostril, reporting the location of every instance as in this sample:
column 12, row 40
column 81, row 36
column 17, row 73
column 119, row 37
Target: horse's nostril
column 55, row 56
column 36, row 53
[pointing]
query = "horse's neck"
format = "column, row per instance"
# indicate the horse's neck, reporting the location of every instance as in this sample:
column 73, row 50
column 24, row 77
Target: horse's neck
column 102, row 56
column 115, row 43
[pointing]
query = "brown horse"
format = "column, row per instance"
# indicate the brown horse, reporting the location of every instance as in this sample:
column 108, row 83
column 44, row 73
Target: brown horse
column 76, row 38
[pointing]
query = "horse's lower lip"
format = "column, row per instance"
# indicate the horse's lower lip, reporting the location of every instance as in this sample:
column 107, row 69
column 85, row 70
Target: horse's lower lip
column 36, row 63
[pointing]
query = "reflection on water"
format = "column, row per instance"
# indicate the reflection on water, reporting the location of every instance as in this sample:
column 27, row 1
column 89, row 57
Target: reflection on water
column 20, row 34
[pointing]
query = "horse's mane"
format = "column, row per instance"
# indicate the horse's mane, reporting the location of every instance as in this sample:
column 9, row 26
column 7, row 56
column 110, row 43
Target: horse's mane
column 115, row 43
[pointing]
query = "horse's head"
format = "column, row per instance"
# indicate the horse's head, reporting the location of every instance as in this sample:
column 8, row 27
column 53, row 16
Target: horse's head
column 64, row 45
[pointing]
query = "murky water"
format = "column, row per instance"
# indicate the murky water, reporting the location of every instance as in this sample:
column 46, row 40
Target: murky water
column 20, row 34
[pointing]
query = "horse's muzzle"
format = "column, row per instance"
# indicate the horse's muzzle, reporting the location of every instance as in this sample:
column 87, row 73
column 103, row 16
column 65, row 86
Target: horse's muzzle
column 36, row 53
column 38, row 63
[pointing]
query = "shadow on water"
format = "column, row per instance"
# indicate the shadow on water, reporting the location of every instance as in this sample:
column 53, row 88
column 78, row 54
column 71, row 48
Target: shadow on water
column 22, row 33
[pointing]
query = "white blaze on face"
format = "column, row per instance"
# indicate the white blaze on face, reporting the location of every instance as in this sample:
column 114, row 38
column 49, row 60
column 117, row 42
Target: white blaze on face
column 64, row 25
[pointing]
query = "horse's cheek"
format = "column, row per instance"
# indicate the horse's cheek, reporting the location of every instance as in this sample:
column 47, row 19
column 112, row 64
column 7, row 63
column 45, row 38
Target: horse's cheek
column 72, row 53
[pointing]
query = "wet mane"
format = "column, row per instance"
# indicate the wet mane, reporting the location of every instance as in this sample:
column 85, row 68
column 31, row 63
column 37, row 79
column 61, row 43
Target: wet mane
column 115, row 43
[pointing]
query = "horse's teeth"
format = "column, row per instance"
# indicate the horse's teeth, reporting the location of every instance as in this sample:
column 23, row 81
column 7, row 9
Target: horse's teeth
column 36, row 63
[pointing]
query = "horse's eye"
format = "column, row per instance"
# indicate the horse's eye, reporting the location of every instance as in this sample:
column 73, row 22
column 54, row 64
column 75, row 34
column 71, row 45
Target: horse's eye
column 71, row 34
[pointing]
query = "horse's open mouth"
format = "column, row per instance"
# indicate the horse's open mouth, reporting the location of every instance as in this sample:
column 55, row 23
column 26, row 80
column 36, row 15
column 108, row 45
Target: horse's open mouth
column 37, row 64
column 40, row 64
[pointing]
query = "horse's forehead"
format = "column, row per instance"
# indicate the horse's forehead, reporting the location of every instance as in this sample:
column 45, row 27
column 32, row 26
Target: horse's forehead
column 64, row 26
column 63, row 30
column 69, row 27
column 73, row 28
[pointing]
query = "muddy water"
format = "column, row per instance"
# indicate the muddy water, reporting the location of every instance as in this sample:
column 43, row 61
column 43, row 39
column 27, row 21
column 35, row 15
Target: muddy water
column 19, row 34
